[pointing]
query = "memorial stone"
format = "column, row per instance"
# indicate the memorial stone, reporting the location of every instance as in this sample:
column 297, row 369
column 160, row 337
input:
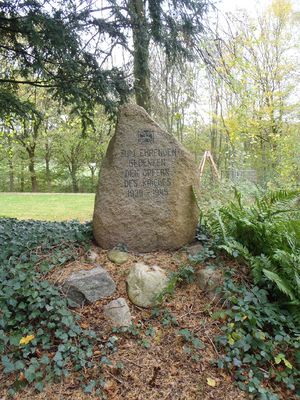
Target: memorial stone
column 145, row 196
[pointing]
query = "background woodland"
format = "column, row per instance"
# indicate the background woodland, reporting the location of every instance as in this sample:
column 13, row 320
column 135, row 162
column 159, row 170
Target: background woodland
column 230, row 86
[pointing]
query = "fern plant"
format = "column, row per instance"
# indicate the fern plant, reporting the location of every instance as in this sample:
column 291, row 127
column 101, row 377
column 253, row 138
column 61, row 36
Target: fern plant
column 267, row 236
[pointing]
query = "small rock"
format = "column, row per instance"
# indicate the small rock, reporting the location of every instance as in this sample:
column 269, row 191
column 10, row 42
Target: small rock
column 145, row 283
column 88, row 286
column 194, row 249
column 209, row 280
column 117, row 256
column 91, row 256
column 117, row 311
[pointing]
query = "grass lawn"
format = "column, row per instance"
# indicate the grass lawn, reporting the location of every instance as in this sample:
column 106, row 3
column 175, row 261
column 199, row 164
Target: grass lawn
column 47, row 206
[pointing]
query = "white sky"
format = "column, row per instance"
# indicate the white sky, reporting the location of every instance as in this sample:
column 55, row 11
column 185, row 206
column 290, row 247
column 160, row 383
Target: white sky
column 249, row 5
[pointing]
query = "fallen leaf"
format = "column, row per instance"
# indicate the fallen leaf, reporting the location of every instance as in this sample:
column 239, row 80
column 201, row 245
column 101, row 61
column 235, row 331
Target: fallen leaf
column 110, row 385
column 26, row 339
column 226, row 377
column 22, row 377
column 38, row 352
column 157, row 338
column 211, row 382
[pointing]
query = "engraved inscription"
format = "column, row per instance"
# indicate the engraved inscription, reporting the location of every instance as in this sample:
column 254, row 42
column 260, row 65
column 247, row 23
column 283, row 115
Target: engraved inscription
column 146, row 137
column 148, row 168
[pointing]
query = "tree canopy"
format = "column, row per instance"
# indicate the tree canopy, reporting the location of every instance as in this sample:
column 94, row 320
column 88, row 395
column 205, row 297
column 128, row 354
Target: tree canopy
column 44, row 44
column 65, row 47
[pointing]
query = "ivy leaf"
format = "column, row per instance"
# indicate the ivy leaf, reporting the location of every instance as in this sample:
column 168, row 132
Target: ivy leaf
column 231, row 341
column 281, row 357
column 39, row 386
column 185, row 333
column 90, row 387
column 197, row 343
column 105, row 360
column 287, row 363
column 7, row 364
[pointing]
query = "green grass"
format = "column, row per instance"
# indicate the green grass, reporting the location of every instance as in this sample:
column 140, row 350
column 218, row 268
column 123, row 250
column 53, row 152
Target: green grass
column 47, row 206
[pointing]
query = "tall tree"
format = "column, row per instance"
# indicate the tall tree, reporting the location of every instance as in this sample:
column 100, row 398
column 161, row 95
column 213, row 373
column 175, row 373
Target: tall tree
column 44, row 44
column 252, row 75
column 176, row 90
column 174, row 25
column 65, row 47
column 76, row 154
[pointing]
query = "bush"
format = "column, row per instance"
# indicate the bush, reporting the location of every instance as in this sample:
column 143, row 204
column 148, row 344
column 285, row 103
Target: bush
column 267, row 236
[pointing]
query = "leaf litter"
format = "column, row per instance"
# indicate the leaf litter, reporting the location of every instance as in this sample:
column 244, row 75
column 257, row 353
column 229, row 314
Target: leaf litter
column 160, row 366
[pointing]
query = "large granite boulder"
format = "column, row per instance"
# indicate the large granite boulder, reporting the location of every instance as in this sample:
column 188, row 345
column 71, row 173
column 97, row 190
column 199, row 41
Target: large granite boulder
column 88, row 286
column 145, row 283
column 145, row 194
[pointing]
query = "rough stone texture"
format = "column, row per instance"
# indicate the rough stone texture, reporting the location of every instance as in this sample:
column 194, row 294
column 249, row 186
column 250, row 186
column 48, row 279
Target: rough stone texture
column 117, row 256
column 144, row 198
column 145, row 283
column 194, row 249
column 117, row 311
column 91, row 256
column 88, row 286
column 209, row 280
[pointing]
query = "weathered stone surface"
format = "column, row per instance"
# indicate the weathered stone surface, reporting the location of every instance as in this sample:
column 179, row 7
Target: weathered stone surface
column 144, row 198
column 117, row 256
column 194, row 249
column 88, row 286
column 117, row 311
column 145, row 283
column 209, row 280
column 91, row 256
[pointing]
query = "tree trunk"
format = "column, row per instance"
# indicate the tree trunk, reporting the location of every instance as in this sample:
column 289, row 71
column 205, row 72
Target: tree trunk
column 47, row 161
column 141, row 68
column 22, row 183
column 31, row 167
column 11, row 175
column 214, row 123
column 75, row 187
column 93, row 171
column 73, row 172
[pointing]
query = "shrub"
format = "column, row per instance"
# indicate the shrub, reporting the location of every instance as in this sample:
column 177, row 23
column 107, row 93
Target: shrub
column 267, row 236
